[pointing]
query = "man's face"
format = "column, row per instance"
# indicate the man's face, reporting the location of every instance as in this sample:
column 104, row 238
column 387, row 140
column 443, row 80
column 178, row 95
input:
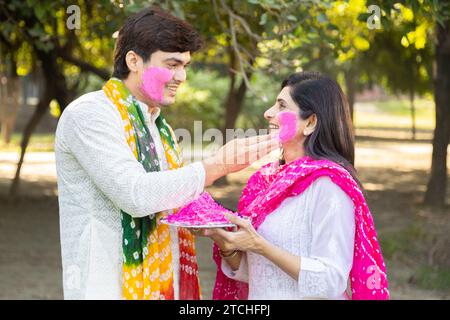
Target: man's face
column 174, row 61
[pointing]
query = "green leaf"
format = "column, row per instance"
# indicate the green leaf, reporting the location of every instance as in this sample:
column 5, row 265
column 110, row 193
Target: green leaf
column 363, row 17
column 332, row 26
column 36, row 31
column 45, row 46
column 291, row 17
column 263, row 19
column 322, row 17
column 40, row 12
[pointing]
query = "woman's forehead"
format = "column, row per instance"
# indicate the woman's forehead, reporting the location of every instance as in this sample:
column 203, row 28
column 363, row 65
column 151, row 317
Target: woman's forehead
column 285, row 95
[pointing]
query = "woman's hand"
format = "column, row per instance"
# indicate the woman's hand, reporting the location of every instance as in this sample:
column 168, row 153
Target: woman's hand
column 244, row 239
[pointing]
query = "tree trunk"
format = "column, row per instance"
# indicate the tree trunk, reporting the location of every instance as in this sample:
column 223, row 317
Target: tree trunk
column 55, row 87
column 233, row 106
column 351, row 89
column 3, row 103
column 39, row 112
column 437, row 185
column 9, row 103
column 413, row 114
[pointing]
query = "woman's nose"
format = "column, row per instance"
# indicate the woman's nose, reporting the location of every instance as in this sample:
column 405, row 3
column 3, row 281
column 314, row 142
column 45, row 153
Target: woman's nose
column 269, row 113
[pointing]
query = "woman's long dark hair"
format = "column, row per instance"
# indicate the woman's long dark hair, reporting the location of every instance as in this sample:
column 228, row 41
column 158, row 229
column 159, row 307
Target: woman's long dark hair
column 333, row 138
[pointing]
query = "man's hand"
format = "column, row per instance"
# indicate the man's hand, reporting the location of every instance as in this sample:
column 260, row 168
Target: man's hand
column 237, row 155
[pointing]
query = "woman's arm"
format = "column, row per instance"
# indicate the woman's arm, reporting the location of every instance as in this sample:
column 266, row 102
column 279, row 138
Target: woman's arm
column 231, row 256
column 233, row 259
column 283, row 259
column 247, row 239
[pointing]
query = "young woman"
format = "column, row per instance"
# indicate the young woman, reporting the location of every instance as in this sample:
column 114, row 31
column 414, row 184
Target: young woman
column 309, row 232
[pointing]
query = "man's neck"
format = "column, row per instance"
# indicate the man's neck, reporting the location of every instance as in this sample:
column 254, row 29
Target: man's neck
column 134, row 90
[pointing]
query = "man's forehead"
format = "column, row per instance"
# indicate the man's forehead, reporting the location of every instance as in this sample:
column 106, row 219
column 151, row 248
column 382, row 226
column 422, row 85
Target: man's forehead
column 182, row 57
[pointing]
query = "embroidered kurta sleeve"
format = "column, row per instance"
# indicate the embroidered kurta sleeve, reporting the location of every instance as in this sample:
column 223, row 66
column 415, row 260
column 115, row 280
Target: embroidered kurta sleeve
column 324, row 273
column 94, row 134
column 240, row 274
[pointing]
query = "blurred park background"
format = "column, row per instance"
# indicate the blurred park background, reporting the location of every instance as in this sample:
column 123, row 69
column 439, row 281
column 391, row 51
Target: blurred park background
column 392, row 59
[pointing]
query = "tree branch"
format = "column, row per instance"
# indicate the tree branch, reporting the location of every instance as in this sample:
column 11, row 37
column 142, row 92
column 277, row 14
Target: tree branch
column 102, row 73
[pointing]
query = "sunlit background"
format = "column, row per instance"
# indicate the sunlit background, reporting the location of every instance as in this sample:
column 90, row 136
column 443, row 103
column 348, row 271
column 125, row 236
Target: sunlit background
column 391, row 59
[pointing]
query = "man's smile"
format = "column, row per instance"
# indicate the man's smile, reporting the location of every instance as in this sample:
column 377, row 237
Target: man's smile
column 172, row 89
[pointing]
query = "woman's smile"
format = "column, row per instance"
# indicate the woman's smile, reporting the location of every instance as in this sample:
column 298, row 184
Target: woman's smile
column 273, row 127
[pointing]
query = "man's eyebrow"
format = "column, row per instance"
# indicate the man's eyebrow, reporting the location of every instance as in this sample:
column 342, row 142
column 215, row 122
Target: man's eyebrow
column 179, row 61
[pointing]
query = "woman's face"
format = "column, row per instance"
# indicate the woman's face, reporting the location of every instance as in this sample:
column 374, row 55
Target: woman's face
column 283, row 103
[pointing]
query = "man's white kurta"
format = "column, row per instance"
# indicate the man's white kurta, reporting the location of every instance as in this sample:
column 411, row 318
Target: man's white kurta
column 97, row 176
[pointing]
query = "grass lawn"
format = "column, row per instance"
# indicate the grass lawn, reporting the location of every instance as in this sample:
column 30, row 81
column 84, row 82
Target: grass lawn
column 40, row 142
column 394, row 114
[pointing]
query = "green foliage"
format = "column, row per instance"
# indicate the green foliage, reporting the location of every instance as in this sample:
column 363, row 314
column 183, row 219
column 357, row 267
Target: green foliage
column 199, row 98
column 432, row 278
column 264, row 40
column 258, row 101
column 397, row 243
column 32, row 29
column 402, row 55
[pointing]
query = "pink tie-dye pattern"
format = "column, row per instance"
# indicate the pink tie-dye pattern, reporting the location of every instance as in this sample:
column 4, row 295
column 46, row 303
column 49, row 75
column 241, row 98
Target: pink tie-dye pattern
column 272, row 184
column 154, row 80
column 288, row 125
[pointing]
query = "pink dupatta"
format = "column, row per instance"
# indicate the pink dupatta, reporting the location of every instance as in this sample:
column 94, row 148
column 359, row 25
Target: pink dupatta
column 272, row 184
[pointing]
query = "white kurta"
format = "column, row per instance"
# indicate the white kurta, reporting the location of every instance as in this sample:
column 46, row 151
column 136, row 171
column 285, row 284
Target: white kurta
column 318, row 226
column 97, row 176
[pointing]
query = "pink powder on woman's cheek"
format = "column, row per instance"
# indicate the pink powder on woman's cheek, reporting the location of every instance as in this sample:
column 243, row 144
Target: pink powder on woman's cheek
column 288, row 125
column 154, row 80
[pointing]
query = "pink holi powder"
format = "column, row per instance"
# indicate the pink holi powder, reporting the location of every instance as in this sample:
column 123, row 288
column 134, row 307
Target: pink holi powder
column 288, row 125
column 202, row 211
column 154, row 81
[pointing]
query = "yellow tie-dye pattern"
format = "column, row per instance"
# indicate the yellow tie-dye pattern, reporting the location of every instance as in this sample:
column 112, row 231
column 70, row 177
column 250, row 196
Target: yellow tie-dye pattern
column 153, row 279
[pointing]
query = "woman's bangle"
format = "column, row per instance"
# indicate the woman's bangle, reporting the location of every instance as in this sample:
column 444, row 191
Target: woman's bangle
column 229, row 255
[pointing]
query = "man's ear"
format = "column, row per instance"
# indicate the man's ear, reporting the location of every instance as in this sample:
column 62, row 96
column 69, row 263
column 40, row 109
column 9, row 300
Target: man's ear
column 133, row 60
column 310, row 125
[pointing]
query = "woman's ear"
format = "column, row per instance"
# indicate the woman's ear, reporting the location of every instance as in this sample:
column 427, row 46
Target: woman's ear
column 310, row 125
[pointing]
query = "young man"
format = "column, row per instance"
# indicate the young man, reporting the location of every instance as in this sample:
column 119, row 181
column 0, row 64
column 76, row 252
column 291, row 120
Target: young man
column 119, row 170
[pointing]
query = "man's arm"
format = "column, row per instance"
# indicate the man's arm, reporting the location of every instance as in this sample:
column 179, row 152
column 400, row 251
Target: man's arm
column 95, row 136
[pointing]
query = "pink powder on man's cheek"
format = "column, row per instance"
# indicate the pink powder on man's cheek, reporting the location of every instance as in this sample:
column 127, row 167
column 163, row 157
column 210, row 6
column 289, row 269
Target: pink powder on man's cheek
column 154, row 80
column 288, row 125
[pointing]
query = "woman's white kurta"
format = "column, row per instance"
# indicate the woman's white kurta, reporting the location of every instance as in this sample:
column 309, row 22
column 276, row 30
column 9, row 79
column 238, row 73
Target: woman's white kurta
column 319, row 227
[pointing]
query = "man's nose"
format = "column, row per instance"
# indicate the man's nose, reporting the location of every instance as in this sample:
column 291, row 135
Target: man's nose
column 180, row 75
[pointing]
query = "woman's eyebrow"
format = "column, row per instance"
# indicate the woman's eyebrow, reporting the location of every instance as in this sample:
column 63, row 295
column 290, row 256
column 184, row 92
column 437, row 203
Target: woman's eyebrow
column 281, row 100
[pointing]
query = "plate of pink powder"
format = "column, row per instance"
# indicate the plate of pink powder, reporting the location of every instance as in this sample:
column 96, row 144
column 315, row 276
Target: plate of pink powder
column 203, row 212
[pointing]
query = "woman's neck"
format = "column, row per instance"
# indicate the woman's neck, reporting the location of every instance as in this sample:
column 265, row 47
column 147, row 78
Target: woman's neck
column 292, row 152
